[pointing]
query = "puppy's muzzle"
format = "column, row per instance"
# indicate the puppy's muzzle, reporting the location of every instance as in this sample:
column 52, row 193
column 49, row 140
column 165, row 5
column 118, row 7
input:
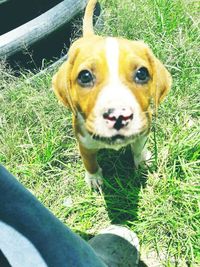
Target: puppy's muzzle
column 118, row 118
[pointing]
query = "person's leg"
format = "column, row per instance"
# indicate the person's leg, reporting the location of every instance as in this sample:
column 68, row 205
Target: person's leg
column 30, row 235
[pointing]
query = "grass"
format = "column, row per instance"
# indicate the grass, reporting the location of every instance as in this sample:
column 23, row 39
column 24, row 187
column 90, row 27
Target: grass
column 160, row 204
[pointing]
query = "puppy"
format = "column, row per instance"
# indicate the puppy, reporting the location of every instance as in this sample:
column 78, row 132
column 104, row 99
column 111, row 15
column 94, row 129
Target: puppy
column 109, row 83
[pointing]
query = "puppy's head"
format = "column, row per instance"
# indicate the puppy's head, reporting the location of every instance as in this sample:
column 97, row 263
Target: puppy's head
column 111, row 83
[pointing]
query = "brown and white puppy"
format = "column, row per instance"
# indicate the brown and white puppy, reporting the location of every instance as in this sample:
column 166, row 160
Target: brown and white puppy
column 108, row 83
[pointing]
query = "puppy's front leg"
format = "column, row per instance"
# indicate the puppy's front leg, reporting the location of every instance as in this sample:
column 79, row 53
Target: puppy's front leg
column 93, row 175
column 140, row 153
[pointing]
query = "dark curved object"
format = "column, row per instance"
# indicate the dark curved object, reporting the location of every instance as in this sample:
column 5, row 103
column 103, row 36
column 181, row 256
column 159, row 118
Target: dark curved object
column 14, row 13
column 4, row 2
column 39, row 28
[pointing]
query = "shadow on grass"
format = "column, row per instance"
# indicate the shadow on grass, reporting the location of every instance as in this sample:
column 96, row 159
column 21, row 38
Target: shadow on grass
column 122, row 185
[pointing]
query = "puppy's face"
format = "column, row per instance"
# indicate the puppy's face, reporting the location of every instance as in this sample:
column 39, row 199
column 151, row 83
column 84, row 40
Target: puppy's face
column 111, row 83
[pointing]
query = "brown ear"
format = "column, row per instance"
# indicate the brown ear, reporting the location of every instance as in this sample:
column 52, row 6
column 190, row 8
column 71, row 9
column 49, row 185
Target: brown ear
column 60, row 84
column 62, row 79
column 162, row 81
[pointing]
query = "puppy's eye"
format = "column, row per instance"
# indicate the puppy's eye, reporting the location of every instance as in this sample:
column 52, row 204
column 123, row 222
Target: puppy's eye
column 85, row 78
column 142, row 75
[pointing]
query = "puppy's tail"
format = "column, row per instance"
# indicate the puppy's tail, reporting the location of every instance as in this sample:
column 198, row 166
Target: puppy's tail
column 88, row 18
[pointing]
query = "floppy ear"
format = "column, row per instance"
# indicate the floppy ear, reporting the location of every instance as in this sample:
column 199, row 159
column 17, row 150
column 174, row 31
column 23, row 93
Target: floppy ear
column 62, row 79
column 60, row 83
column 162, row 82
column 162, row 79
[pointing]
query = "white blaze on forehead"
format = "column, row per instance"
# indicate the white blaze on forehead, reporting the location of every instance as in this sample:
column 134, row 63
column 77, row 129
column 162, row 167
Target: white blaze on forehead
column 112, row 56
column 117, row 96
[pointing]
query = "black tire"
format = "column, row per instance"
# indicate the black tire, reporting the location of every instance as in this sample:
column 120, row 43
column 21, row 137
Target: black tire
column 39, row 28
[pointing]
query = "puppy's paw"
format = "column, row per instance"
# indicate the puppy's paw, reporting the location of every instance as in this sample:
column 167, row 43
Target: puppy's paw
column 144, row 157
column 94, row 180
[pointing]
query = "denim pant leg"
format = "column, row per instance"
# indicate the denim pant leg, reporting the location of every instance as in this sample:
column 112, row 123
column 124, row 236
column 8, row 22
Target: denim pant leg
column 31, row 236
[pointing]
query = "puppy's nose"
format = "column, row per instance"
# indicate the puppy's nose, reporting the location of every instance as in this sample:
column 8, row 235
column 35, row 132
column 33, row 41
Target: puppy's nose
column 118, row 118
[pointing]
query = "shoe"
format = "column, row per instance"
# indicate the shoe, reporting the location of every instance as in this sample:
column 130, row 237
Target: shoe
column 116, row 246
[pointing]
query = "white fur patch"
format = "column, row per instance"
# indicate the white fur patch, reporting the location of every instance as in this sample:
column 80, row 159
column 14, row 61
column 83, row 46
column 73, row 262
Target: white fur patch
column 116, row 95
column 140, row 153
column 94, row 180
column 112, row 56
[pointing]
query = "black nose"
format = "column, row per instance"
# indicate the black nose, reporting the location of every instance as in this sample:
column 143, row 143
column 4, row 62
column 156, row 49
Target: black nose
column 120, row 123
column 120, row 117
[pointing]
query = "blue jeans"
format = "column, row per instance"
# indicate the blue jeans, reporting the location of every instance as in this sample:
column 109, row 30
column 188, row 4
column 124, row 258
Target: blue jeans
column 31, row 236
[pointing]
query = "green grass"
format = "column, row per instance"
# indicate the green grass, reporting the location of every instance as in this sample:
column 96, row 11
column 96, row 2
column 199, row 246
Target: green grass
column 160, row 204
